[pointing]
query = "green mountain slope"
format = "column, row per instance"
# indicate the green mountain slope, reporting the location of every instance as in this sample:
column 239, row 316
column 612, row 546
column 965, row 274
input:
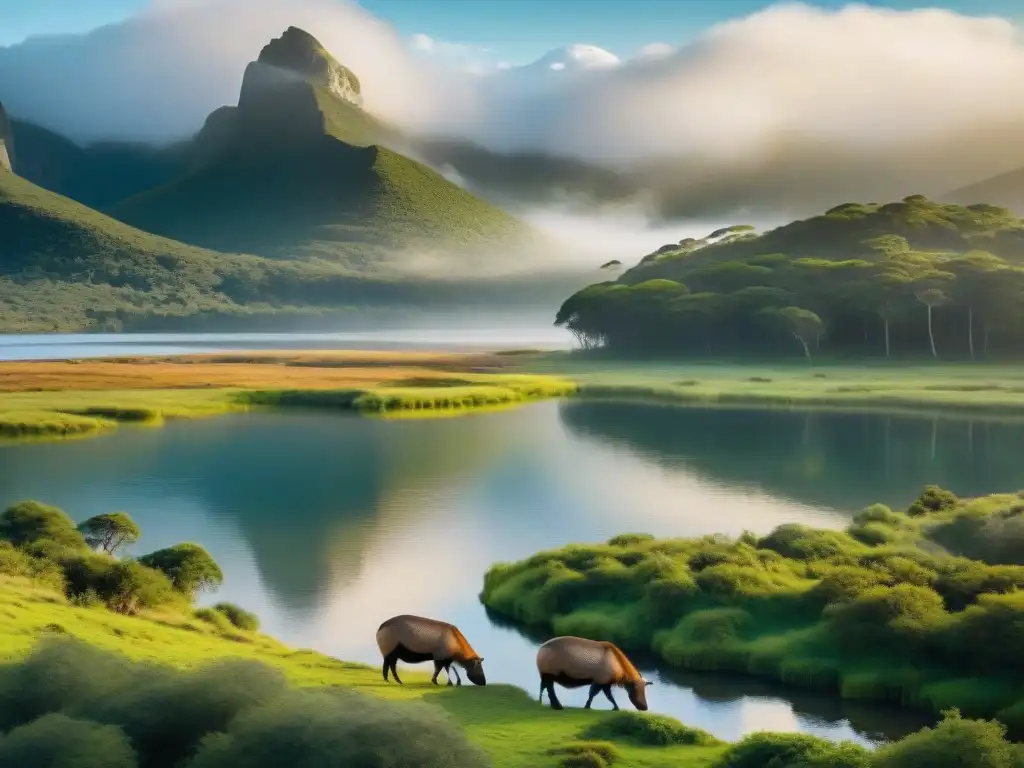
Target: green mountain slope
column 912, row 277
column 298, row 168
column 1006, row 189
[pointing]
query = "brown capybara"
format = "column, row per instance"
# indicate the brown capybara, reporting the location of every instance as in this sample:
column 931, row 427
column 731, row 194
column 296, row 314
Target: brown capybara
column 573, row 662
column 414, row 639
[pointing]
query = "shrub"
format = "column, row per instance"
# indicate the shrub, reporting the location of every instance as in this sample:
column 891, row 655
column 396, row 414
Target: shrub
column 629, row 539
column 647, row 730
column 953, row 743
column 189, row 567
column 16, row 562
column 342, row 728
column 124, row 586
column 58, row 741
column 61, row 673
column 168, row 714
column 29, row 524
column 800, row 542
column 792, row 750
column 932, row 499
column 239, row 617
column 604, row 750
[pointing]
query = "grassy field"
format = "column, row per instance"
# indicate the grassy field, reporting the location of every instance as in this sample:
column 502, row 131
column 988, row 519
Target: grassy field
column 75, row 398
column 505, row 721
column 971, row 388
column 72, row 398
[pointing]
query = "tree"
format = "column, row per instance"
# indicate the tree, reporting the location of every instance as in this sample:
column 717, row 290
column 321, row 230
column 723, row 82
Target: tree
column 189, row 567
column 978, row 276
column 931, row 298
column 109, row 532
column 31, row 524
column 803, row 325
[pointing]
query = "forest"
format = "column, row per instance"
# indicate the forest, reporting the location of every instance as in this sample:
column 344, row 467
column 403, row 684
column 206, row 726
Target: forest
column 908, row 279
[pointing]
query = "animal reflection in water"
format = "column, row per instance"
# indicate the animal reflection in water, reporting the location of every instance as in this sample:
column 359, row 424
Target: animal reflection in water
column 573, row 662
column 414, row 639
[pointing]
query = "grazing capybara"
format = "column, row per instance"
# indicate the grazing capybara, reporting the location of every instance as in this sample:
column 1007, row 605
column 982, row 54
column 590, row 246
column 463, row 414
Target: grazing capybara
column 414, row 639
column 573, row 662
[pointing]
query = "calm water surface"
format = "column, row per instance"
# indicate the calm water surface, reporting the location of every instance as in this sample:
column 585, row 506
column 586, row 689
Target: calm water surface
column 326, row 525
column 61, row 346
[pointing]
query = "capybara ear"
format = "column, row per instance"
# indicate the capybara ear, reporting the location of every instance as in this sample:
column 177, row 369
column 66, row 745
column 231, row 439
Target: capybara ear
column 481, row 660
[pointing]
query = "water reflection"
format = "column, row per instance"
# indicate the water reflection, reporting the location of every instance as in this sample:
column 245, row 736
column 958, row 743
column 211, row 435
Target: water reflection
column 326, row 525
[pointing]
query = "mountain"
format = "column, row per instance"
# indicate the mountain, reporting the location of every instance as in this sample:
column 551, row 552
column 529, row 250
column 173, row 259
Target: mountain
column 6, row 145
column 298, row 168
column 1006, row 189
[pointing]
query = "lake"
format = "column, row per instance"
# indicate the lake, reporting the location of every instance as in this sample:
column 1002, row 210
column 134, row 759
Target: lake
column 325, row 524
column 61, row 346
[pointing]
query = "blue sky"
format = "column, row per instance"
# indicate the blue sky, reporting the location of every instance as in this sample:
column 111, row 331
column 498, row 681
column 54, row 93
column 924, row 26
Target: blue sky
column 517, row 31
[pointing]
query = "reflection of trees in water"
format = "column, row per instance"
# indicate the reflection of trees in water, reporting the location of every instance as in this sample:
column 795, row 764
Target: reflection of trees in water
column 870, row 720
column 842, row 460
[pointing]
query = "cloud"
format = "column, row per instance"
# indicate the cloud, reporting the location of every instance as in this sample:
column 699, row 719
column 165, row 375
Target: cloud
column 158, row 74
column 793, row 106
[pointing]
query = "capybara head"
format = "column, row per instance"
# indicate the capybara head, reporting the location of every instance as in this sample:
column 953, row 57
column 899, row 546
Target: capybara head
column 475, row 671
column 637, row 691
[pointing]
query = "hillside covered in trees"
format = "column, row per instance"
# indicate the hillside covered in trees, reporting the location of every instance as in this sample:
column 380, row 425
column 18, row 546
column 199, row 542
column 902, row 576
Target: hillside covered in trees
column 914, row 278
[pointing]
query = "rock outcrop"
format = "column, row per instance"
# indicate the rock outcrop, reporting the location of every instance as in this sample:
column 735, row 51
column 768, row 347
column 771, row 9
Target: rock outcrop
column 299, row 53
column 6, row 143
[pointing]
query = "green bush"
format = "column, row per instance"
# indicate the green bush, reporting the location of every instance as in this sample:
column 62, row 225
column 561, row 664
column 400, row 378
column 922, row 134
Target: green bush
column 16, row 562
column 189, row 567
column 58, row 741
column 953, row 743
column 239, row 617
column 605, row 750
column 340, row 728
column 647, row 730
column 932, row 499
column 793, row 750
column 125, row 586
column 40, row 527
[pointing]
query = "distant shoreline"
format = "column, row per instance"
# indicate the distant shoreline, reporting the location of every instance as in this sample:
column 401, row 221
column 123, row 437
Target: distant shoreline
column 76, row 398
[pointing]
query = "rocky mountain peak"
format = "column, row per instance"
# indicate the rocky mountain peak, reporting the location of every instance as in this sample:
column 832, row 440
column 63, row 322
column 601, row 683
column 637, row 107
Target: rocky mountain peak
column 298, row 52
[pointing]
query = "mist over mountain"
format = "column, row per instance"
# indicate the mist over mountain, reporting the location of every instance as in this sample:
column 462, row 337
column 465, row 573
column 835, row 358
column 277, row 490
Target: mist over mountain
column 785, row 110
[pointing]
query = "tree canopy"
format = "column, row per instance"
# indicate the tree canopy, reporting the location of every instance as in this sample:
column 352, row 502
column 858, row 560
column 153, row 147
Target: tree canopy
column 110, row 531
column 189, row 567
column 909, row 278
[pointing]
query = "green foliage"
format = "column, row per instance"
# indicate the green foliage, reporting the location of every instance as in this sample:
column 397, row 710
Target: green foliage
column 125, row 586
column 239, row 617
column 338, row 728
column 31, row 525
column 58, row 741
column 793, row 750
column 109, row 532
column 230, row 712
column 189, row 567
column 889, row 617
column 586, row 753
column 648, row 730
column 953, row 743
column 907, row 278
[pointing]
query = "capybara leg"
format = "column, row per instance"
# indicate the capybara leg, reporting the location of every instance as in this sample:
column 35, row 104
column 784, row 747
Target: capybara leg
column 608, row 695
column 448, row 672
column 549, row 682
column 394, row 671
column 438, row 666
column 594, row 690
column 458, row 678
column 389, row 662
column 540, row 696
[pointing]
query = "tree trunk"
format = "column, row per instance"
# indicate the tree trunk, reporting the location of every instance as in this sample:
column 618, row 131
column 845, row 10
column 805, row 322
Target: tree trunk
column 886, row 319
column 807, row 352
column 970, row 330
column 931, row 336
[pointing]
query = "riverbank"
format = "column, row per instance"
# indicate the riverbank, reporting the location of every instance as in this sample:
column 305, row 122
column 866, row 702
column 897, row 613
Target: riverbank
column 879, row 612
column 515, row 730
column 83, row 397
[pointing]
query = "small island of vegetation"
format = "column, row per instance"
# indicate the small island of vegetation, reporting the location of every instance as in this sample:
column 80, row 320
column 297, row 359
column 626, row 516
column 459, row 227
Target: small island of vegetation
column 922, row 608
